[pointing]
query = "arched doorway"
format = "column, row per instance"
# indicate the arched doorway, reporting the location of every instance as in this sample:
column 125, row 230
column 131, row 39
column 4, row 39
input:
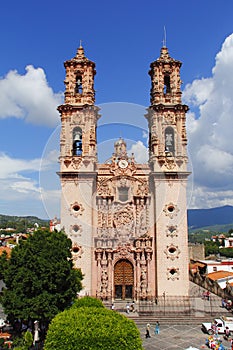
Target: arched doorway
column 123, row 280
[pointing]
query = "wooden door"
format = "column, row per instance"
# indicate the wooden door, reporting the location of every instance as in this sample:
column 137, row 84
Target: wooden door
column 123, row 280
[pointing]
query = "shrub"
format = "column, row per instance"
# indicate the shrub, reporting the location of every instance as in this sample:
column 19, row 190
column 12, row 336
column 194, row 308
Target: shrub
column 92, row 328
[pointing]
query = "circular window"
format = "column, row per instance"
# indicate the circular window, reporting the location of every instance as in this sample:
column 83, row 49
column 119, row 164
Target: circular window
column 170, row 209
column 75, row 228
column 76, row 207
column 172, row 250
column 76, row 249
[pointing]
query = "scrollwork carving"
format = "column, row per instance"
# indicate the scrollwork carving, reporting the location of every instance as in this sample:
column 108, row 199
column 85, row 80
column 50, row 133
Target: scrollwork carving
column 143, row 188
column 103, row 188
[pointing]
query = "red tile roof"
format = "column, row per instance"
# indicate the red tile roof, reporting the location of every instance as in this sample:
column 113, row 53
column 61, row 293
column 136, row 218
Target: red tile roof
column 7, row 250
column 219, row 275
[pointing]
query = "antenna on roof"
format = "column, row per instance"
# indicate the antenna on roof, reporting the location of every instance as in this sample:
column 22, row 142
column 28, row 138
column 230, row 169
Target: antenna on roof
column 164, row 36
column 80, row 43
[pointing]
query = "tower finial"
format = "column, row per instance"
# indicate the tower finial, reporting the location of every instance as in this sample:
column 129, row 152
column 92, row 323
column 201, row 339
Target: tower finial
column 80, row 51
column 164, row 36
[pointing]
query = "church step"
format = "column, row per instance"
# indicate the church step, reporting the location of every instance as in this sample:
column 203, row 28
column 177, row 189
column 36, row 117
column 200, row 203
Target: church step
column 171, row 320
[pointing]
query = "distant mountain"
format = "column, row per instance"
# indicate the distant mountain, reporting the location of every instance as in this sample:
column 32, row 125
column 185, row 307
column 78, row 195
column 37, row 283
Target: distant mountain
column 218, row 219
column 9, row 221
column 220, row 216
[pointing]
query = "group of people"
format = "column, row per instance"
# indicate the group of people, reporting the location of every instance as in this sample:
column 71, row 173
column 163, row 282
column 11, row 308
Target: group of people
column 156, row 330
column 227, row 303
column 214, row 342
column 130, row 307
column 206, row 295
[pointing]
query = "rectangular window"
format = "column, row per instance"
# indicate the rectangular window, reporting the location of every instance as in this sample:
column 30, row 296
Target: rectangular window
column 123, row 193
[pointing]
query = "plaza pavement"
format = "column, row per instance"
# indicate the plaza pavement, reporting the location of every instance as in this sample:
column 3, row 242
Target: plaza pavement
column 183, row 332
column 176, row 337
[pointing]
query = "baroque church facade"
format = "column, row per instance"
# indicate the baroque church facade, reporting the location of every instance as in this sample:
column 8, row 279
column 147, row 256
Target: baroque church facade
column 127, row 221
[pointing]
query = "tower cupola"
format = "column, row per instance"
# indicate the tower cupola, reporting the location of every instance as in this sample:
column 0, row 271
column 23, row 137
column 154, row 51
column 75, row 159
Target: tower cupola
column 79, row 82
column 165, row 79
column 120, row 148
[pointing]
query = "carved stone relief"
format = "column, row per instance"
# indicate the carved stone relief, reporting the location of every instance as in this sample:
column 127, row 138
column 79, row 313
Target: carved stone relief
column 173, row 273
column 103, row 187
column 75, row 230
column 171, row 210
column 143, row 188
column 172, row 231
column 76, row 161
column 76, row 209
column 172, row 252
column 77, row 251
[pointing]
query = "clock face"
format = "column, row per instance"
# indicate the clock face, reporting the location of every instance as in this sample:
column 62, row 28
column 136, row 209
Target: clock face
column 123, row 163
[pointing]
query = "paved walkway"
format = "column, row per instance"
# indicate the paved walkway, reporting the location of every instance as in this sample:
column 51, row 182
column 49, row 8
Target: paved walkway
column 177, row 337
column 174, row 335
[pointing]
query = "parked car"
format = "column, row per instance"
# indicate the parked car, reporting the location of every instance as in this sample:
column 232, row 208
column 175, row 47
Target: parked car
column 218, row 325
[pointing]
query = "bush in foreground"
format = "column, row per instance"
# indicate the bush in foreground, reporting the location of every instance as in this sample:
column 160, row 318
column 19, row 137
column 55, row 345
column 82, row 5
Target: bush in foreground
column 92, row 328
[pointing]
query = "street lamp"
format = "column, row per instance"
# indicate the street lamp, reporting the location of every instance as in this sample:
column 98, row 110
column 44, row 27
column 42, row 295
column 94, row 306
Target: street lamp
column 164, row 297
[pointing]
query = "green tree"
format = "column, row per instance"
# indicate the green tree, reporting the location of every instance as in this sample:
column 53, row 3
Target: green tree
column 92, row 328
column 3, row 263
column 227, row 252
column 211, row 248
column 39, row 277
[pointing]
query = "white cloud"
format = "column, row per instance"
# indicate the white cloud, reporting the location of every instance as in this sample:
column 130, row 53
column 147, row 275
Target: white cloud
column 210, row 131
column 29, row 97
column 21, row 193
column 10, row 167
column 140, row 152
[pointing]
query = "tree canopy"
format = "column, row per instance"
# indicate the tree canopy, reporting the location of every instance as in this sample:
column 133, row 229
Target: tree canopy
column 39, row 277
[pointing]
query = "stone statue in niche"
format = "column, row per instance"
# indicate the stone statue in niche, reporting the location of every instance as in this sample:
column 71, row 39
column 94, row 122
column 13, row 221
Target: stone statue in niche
column 143, row 220
column 143, row 278
column 104, row 281
column 143, row 282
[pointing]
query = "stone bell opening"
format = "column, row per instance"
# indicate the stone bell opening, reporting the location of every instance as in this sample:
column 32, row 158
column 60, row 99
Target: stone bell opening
column 123, row 280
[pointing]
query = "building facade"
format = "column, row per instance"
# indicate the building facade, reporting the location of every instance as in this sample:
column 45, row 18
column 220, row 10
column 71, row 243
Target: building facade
column 127, row 221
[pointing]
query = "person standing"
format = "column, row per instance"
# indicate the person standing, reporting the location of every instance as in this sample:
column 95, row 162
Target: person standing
column 36, row 335
column 227, row 333
column 157, row 327
column 148, row 330
column 127, row 308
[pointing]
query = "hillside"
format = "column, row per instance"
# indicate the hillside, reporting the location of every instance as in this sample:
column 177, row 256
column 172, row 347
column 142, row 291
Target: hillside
column 215, row 219
column 218, row 219
column 13, row 221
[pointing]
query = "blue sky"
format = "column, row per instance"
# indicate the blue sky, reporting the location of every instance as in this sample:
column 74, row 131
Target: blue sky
column 123, row 38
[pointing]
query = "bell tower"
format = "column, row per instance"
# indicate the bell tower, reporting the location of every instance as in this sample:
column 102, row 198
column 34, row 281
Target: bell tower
column 168, row 175
column 78, row 159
